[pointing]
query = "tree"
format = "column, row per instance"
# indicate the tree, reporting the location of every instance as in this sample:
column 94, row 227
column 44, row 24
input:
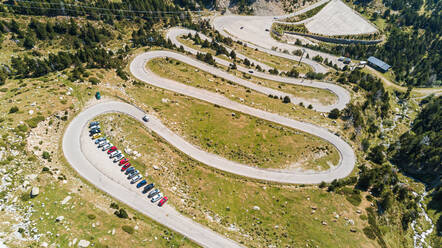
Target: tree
column 286, row 99
column 29, row 42
column 121, row 213
column 334, row 114
column 13, row 109
column 293, row 73
column 377, row 154
column 232, row 54
column 246, row 62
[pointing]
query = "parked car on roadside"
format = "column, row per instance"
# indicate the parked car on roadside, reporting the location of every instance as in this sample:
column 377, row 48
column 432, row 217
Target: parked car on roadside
column 114, row 153
column 106, row 147
column 135, row 179
column 95, row 127
column 164, row 200
column 99, row 140
column 141, row 184
column 92, row 132
column 125, row 166
column 153, row 193
column 119, row 157
column 157, row 197
column 102, row 143
column 128, row 171
column 148, row 187
column 133, row 174
column 123, row 161
column 97, row 135
column 94, row 123
column 112, row 149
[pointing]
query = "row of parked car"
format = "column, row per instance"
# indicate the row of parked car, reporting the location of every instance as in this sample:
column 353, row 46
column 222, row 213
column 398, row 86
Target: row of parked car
column 118, row 157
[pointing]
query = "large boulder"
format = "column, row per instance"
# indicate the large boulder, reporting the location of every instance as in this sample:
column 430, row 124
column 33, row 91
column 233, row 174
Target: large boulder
column 35, row 191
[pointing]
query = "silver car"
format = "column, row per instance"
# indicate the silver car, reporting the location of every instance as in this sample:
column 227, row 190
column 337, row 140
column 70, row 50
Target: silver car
column 114, row 154
column 106, row 147
column 133, row 174
column 103, row 143
column 157, row 197
column 118, row 158
column 153, row 193
column 136, row 179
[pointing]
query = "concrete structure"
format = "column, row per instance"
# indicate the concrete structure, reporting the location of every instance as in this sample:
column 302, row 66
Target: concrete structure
column 378, row 64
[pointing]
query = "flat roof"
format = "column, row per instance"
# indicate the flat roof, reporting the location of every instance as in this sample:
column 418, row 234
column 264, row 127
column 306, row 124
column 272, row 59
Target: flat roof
column 379, row 63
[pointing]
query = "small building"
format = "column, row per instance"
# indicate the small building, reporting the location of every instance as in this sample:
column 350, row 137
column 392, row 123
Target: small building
column 378, row 64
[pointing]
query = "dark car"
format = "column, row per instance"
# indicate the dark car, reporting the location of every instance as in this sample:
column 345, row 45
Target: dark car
column 148, row 187
column 125, row 167
column 129, row 170
column 92, row 132
column 153, row 193
column 141, row 184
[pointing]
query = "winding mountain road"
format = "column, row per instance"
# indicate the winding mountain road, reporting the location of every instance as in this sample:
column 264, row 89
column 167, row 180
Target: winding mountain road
column 77, row 146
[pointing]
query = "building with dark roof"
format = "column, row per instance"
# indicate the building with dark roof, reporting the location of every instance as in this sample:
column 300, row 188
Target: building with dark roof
column 378, row 64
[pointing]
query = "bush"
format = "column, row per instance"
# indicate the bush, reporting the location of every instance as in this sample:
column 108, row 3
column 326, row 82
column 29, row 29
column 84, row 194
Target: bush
column 114, row 205
column 122, row 214
column 286, row 99
column 128, row 229
column 33, row 122
column 368, row 231
column 46, row 155
column 91, row 216
column 94, row 80
column 322, row 184
column 13, row 109
column 334, row 114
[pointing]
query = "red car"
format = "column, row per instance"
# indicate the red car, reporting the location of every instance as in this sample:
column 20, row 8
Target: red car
column 112, row 149
column 162, row 201
column 127, row 165
column 123, row 161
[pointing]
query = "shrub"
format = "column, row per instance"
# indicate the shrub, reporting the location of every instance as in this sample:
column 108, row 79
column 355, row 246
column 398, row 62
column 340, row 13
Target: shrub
column 46, row 155
column 33, row 122
column 114, row 205
column 94, row 80
column 128, row 229
column 368, row 231
column 91, row 216
column 13, row 109
column 322, row 184
column 334, row 114
column 122, row 214
column 286, row 99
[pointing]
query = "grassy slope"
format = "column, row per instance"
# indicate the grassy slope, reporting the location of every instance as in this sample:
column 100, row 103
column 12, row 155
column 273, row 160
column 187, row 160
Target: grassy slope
column 225, row 202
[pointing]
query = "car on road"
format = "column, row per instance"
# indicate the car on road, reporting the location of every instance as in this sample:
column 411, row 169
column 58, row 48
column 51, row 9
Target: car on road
column 112, row 149
column 148, row 187
column 146, row 118
column 107, row 147
column 97, row 135
column 267, row 30
column 164, row 200
column 114, row 154
column 94, row 123
column 128, row 171
column 99, row 140
column 119, row 157
column 153, row 193
column 103, row 143
column 141, row 184
column 92, row 132
column 157, row 197
column 125, row 166
column 250, row 71
column 241, row 27
column 123, row 161
column 135, row 179
column 133, row 174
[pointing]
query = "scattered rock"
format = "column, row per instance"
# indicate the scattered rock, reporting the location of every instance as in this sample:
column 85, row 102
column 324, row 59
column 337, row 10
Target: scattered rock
column 352, row 230
column 59, row 218
column 324, row 223
column 35, row 191
column 256, row 208
column 351, row 222
column 44, row 244
column 165, row 100
column 358, row 211
column 314, row 207
column 113, row 231
column 66, row 199
column 83, row 243
column 233, row 114
column 136, row 227
column 313, row 211
column 337, row 216
column 156, row 167
column 31, row 112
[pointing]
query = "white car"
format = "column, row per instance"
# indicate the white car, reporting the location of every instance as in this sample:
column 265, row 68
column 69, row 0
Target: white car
column 102, row 143
column 146, row 118
column 157, row 197
column 135, row 179
column 114, row 154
